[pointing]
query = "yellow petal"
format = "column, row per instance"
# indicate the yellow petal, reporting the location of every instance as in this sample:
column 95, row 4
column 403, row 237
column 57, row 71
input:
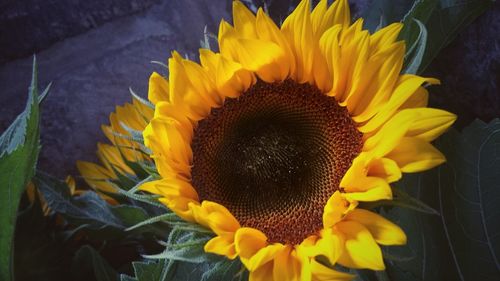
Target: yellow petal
column 384, row 168
column 263, row 273
column 362, row 187
column 244, row 21
column 391, row 133
column 196, row 99
column 297, row 29
column 330, row 244
column 361, row 250
column 335, row 209
column 419, row 99
column 407, row 86
column 431, row 123
column 384, row 37
column 414, row 155
column 111, row 157
column 249, row 241
column 263, row 256
column 224, row 28
column 176, row 194
column 323, row 18
column 168, row 112
column 324, row 273
column 222, row 245
column 231, row 79
column 329, row 46
column 158, row 88
column 341, row 13
column 382, row 230
column 383, row 83
column 262, row 57
column 268, row 31
column 96, row 176
column 286, row 265
column 215, row 216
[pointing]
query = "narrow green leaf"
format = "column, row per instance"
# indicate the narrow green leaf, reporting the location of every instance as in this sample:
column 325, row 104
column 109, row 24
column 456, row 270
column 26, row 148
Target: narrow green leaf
column 140, row 99
column 19, row 148
column 416, row 53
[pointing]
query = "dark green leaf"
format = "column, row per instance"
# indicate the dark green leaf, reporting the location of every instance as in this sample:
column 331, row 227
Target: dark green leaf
column 444, row 20
column 39, row 254
column 89, row 210
column 464, row 242
column 184, row 246
column 469, row 190
column 89, row 265
column 19, row 148
column 225, row 269
column 426, row 255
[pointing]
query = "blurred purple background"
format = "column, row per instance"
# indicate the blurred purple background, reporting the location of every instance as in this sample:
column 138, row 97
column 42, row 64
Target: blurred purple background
column 93, row 51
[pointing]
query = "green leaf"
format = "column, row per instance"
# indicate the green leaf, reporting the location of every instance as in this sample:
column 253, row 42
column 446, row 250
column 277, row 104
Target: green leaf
column 444, row 20
column 426, row 254
column 225, row 269
column 89, row 265
column 464, row 242
column 19, row 148
column 152, row 271
column 183, row 246
column 469, row 190
column 89, row 211
column 39, row 253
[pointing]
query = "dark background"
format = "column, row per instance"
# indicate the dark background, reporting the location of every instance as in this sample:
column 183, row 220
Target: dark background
column 94, row 50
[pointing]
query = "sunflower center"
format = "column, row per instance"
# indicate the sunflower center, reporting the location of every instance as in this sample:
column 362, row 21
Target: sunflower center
column 274, row 156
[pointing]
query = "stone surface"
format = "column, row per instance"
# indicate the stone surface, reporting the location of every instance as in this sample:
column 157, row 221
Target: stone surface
column 91, row 74
column 92, row 70
column 31, row 25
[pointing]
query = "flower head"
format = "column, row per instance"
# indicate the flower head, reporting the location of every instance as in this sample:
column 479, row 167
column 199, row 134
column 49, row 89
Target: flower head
column 273, row 141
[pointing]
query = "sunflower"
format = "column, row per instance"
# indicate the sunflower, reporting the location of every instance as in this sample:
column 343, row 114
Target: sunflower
column 119, row 157
column 273, row 141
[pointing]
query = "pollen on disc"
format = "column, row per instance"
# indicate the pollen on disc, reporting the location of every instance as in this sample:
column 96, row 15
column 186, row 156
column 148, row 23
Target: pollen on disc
column 274, row 156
